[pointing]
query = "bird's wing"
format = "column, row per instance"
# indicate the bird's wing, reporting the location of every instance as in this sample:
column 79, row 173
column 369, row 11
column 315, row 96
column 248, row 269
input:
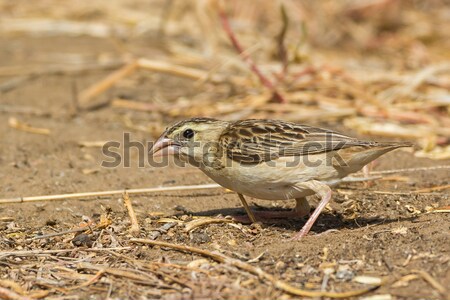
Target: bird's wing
column 256, row 141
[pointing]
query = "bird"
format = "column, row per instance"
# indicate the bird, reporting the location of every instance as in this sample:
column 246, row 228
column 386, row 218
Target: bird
column 270, row 160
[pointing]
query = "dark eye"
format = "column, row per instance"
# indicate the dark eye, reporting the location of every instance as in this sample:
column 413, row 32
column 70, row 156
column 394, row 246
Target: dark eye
column 188, row 133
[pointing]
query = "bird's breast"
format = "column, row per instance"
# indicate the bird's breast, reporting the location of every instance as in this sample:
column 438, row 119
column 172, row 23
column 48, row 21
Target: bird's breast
column 276, row 180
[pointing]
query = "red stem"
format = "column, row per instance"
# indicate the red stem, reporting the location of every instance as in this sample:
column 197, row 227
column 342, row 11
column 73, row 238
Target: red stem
column 246, row 57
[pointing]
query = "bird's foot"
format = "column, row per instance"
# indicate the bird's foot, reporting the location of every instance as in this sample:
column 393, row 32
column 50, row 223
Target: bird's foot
column 325, row 193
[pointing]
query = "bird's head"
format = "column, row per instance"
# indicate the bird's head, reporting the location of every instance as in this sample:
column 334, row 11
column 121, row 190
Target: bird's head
column 190, row 140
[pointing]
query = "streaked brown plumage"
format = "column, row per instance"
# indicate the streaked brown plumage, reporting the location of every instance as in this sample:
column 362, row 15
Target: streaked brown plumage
column 270, row 159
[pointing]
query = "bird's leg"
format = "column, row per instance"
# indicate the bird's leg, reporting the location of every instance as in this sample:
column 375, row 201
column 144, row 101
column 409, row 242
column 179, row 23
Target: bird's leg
column 301, row 209
column 366, row 171
column 247, row 208
column 324, row 192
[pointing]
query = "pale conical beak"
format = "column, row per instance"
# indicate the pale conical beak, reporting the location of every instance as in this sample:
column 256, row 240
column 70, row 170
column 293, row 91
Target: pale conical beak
column 164, row 147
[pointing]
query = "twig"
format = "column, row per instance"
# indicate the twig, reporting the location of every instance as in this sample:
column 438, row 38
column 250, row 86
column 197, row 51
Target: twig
column 135, row 105
column 90, row 281
column 441, row 209
column 418, row 191
column 17, row 288
column 23, row 253
column 154, row 234
column 152, row 268
column 165, row 67
column 165, row 276
column 204, row 221
column 134, row 229
column 163, row 20
column 74, row 98
column 14, row 83
column 4, row 108
column 246, row 57
column 108, row 193
column 180, row 267
column 16, row 124
column 360, row 179
column 57, row 69
column 10, row 295
column 117, row 272
column 104, row 222
column 10, row 284
column 44, row 236
column 407, row 170
column 282, row 51
column 432, row 189
column 391, row 193
column 428, row 278
column 46, row 26
column 255, row 270
column 92, row 144
column 106, row 83
column 413, row 82
column 153, row 65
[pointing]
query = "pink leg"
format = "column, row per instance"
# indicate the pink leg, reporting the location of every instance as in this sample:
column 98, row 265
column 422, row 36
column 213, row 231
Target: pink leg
column 366, row 171
column 325, row 192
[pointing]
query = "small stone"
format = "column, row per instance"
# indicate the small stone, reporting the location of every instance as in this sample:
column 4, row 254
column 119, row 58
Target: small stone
column 232, row 242
column 367, row 279
column 82, row 240
column 280, row 265
column 51, row 222
column 344, row 273
column 200, row 238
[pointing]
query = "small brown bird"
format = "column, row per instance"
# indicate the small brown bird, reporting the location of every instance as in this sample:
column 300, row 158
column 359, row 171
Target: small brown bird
column 270, row 159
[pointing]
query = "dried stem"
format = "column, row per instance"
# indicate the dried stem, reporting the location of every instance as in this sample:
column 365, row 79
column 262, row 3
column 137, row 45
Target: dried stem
column 108, row 193
column 246, row 57
column 16, row 124
column 256, row 271
column 103, row 85
column 10, row 295
column 282, row 51
column 134, row 229
column 433, row 282
column 24, row 253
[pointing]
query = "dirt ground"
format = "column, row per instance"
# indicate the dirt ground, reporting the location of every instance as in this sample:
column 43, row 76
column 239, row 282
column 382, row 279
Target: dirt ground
column 380, row 229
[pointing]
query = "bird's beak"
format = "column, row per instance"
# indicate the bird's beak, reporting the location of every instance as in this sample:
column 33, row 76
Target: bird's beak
column 164, row 147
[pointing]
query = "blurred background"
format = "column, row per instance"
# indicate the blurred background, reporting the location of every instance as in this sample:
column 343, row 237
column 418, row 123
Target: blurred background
column 75, row 74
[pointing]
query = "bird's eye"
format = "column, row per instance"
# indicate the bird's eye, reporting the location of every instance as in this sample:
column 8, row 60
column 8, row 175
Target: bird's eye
column 188, row 133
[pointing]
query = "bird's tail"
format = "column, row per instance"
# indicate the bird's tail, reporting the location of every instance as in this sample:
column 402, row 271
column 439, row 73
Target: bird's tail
column 353, row 161
column 392, row 145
